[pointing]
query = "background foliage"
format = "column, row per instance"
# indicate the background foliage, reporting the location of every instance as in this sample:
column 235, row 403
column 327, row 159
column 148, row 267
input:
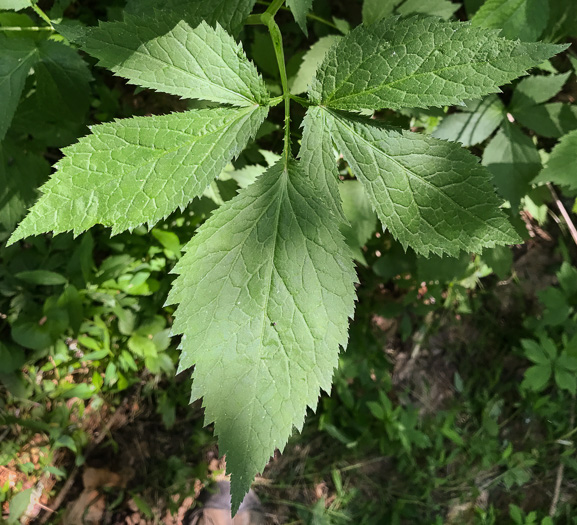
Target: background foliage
column 455, row 400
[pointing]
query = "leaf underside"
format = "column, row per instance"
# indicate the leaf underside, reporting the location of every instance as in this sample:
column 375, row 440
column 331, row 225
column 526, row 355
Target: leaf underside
column 139, row 170
column 265, row 290
column 420, row 62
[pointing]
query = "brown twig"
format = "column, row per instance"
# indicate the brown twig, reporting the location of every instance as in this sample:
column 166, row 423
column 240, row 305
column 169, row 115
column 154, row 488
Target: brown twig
column 563, row 212
column 561, row 470
column 72, row 478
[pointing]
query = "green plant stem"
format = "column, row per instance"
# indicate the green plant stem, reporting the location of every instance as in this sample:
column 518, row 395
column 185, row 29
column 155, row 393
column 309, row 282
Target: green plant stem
column 312, row 16
column 268, row 18
column 300, row 100
column 253, row 20
column 42, row 15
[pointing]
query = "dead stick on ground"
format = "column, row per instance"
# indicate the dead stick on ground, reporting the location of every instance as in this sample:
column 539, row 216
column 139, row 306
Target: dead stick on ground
column 72, row 478
column 560, row 471
column 563, row 212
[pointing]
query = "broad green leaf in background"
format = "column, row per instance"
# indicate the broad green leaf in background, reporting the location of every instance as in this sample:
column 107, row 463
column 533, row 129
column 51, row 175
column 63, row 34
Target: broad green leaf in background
column 514, row 161
column 561, row 167
column 311, row 60
column 54, row 112
column 62, row 81
column 203, row 62
column 537, row 377
column 21, row 172
column 139, row 170
column 537, row 89
column 300, row 9
column 18, row 505
column 375, row 10
column 14, row 5
column 265, row 291
column 566, row 379
column 431, row 194
column 42, row 277
column 475, row 123
column 319, row 161
column 562, row 21
column 404, row 63
column 17, row 56
column 522, row 19
column 441, row 8
column 362, row 219
column 230, row 14
column 535, row 352
column 551, row 120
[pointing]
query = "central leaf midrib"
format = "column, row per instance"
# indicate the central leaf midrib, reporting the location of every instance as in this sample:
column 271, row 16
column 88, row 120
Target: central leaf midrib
column 195, row 138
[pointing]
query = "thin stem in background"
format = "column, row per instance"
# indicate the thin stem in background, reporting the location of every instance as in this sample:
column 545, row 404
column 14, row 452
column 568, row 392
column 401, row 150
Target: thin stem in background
column 563, row 211
column 43, row 28
column 268, row 18
column 312, row 16
column 42, row 15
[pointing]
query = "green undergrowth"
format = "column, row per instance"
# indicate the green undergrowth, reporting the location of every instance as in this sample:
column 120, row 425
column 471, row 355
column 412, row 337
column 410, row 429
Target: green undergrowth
column 454, row 399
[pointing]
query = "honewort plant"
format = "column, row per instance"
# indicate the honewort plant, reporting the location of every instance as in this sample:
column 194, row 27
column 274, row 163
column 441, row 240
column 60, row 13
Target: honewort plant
column 265, row 289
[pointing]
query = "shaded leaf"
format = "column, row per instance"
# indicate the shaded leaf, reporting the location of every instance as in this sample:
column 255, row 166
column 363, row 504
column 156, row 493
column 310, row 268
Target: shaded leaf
column 265, row 291
column 514, row 161
column 561, row 167
column 523, row 19
column 549, row 120
column 474, row 124
column 300, row 9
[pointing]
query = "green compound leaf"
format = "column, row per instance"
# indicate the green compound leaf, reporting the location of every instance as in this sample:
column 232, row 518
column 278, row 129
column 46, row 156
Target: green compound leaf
column 300, row 9
column 474, row 124
column 561, row 167
column 420, row 62
column 230, row 14
column 523, row 19
column 431, row 194
column 204, row 63
column 319, row 161
column 265, row 291
column 139, row 170
column 17, row 56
